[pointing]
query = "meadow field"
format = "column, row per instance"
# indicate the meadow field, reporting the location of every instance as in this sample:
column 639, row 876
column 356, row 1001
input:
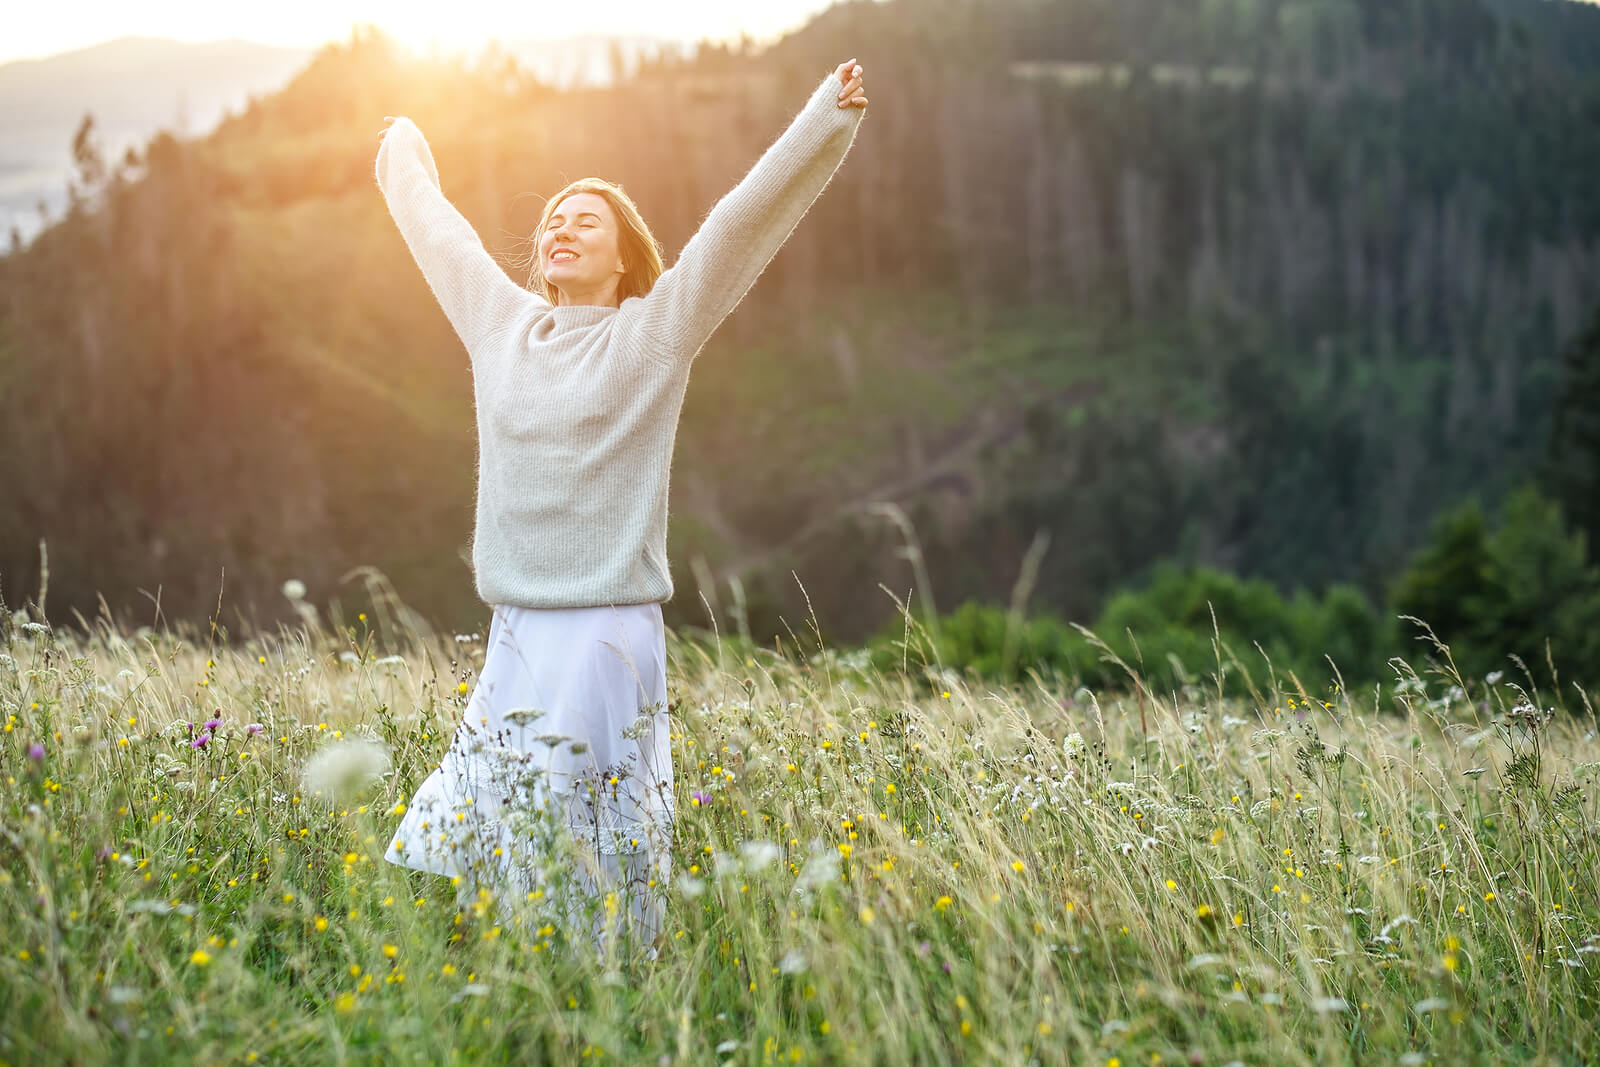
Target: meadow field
column 905, row 867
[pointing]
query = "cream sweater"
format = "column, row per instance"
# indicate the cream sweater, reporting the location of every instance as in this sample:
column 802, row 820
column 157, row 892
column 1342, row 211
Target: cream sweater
column 577, row 406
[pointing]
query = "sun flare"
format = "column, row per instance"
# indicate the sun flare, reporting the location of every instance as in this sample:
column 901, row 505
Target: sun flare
column 465, row 26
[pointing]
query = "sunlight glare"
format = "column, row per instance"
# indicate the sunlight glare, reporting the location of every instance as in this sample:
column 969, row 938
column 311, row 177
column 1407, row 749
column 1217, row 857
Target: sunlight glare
column 463, row 25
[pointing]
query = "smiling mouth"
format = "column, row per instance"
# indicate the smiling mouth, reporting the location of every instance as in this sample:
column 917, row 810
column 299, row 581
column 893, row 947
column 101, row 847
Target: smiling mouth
column 569, row 258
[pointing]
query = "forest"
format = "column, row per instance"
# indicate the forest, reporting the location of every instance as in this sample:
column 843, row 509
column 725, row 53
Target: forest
column 1303, row 293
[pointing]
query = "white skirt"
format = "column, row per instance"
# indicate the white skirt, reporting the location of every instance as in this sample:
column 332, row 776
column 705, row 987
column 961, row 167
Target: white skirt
column 565, row 740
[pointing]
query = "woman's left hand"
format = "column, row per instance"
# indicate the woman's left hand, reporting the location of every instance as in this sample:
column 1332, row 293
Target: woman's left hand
column 854, row 95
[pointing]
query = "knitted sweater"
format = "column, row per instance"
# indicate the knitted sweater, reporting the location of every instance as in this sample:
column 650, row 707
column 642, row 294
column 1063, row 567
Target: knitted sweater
column 577, row 405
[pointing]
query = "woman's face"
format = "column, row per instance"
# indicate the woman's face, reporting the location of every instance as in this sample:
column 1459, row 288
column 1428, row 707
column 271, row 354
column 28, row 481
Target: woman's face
column 578, row 251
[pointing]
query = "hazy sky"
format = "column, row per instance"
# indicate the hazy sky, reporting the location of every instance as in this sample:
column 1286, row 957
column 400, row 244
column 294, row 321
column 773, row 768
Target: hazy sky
column 47, row 28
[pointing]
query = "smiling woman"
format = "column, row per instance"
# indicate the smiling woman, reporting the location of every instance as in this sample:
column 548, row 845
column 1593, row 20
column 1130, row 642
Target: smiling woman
column 592, row 247
column 578, row 384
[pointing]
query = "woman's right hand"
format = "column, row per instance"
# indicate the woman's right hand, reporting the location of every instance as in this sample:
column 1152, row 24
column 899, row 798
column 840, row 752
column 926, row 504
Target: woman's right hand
column 389, row 119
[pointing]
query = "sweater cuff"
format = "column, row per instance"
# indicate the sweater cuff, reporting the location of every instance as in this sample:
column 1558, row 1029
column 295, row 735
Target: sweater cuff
column 826, row 101
column 402, row 144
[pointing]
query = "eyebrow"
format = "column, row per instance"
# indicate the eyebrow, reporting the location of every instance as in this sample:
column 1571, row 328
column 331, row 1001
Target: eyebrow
column 581, row 214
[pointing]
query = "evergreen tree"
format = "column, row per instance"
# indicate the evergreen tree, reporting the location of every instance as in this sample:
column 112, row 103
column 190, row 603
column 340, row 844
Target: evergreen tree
column 1573, row 465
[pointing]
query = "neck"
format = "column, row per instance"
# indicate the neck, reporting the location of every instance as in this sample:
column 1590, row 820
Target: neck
column 604, row 296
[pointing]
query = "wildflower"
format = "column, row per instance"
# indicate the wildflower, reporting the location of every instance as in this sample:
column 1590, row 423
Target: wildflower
column 201, row 741
column 212, row 724
column 200, row 957
column 342, row 768
column 1074, row 744
column 698, row 798
column 294, row 589
column 36, row 752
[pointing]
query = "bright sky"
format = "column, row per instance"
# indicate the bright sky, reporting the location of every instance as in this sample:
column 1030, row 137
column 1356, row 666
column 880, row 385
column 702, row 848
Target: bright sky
column 53, row 27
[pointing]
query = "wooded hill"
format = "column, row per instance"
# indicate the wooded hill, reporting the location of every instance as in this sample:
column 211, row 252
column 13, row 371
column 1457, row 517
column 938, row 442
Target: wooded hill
column 1261, row 284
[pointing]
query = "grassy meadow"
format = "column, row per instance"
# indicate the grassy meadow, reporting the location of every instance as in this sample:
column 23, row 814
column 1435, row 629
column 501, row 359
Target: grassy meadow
column 915, row 868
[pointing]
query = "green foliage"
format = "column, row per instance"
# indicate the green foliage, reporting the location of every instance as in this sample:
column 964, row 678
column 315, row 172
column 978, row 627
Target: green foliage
column 1449, row 580
column 1527, row 590
column 1573, row 464
column 1190, row 625
column 1181, row 628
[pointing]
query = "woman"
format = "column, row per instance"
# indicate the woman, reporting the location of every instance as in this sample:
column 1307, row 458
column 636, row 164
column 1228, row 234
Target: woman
column 578, row 385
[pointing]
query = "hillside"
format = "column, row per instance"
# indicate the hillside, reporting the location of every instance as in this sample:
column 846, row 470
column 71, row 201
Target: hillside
column 134, row 87
column 1261, row 285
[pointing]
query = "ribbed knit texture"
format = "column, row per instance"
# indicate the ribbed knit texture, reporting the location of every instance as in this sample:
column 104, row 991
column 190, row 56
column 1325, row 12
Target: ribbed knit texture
column 577, row 406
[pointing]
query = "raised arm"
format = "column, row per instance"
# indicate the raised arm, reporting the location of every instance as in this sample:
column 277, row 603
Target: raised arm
column 747, row 227
column 476, row 295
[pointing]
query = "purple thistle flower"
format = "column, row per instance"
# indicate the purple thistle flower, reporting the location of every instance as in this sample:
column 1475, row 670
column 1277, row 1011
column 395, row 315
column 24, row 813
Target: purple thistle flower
column 200, row 742
column 704, row 798
column 36, row 752
column 105, row 852
column 255, row 728
column 212, row 724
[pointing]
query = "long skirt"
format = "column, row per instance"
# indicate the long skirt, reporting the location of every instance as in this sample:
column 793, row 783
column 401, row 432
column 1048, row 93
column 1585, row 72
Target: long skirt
column 557, row 786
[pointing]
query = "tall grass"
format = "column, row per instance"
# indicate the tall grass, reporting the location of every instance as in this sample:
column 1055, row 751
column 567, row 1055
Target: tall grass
column 868, row 868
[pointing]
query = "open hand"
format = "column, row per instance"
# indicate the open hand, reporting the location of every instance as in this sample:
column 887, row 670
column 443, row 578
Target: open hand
column 854, row 95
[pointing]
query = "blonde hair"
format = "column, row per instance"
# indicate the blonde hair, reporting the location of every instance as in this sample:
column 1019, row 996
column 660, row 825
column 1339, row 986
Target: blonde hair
column 636, row 245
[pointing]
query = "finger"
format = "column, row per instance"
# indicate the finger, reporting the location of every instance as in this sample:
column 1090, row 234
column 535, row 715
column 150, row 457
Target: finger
column 849, row 87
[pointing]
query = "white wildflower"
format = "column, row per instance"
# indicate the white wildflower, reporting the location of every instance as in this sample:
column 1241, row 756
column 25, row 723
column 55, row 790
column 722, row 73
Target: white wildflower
column 1074, row 744
column 793, row 962
column 340, row 770
column 819, row 870
column 758, row 854
column 1422, row 1007
column 294, row 589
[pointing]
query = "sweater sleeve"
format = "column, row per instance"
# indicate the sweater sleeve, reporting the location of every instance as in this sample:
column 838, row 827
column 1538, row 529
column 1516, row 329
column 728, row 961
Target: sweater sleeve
column 476, row 295
column 744, row 231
